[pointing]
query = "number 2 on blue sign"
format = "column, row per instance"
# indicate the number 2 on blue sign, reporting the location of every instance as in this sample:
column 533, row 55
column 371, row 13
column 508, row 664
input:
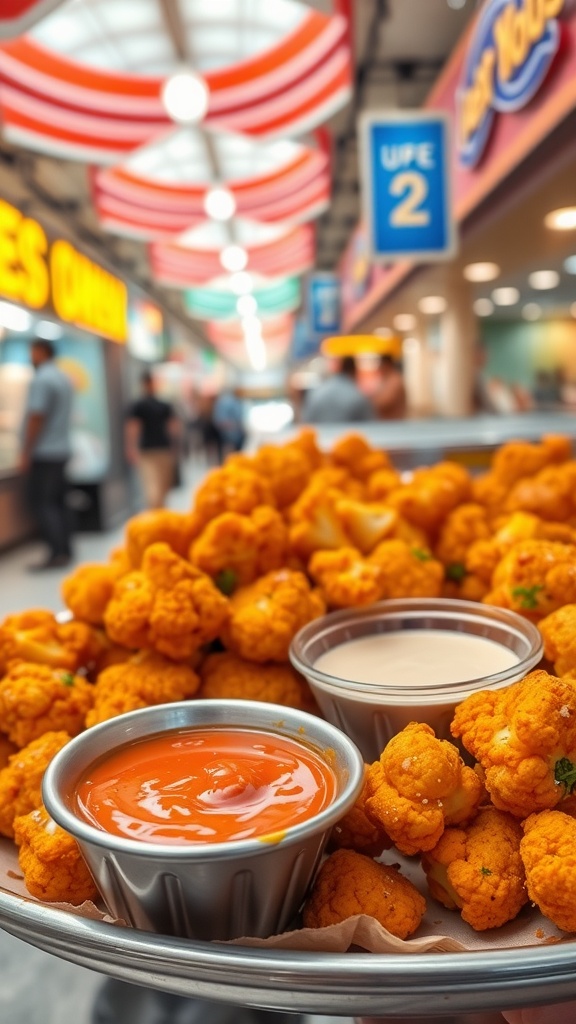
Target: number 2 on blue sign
column 412, row 188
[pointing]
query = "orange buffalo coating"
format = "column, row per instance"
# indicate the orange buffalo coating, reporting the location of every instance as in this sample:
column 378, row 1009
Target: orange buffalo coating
column 50, row 860
column 145, row 679
column 21, row 780
column 35, row 699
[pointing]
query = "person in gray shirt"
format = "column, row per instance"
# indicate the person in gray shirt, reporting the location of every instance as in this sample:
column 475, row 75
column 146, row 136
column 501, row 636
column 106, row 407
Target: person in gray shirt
column 46, row 450
column 338, row 399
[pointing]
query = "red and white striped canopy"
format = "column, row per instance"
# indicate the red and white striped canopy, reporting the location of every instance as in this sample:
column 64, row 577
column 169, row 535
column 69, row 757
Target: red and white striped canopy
column 227, row 338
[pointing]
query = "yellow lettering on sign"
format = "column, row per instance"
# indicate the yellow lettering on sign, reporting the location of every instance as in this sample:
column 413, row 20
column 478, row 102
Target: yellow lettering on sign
column 85, row 294
column 552, row 8
column 10, row 220
column 32, row 249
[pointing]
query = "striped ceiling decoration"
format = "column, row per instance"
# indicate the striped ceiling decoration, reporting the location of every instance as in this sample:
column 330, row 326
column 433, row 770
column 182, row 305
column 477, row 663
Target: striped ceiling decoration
column 17, row 16
column 228, row 339
column 139, row 203
column 220, row 304
column 52, row 103
column 292, row 253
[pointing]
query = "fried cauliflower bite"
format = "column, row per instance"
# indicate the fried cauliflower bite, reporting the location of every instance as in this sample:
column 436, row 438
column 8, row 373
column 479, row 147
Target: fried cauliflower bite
column 265, row 616
column 366, row 524
column 50, row 859
column 355, row 454
column 559, row 635
column 524, row 738
column 346, row 579
column 349, row 883
column 168, row 605
column 232, row 488
column 225, row 676
column 146, row 679
column 381, row 483
column 518, row 459
column 286, row 469
column 407, row 571
column 479, row 870
column 548, row 851
column 176, row 529
column 38, row 636
column 432, row 494
column 356, row 831
column 307, row 442
column 21, row 780
column 535, row 578
column 462, row 527
column 234, row 549
column 418, row 787
column 88, row 589
column 316, row 525
column 35, row 699
column 549, row 494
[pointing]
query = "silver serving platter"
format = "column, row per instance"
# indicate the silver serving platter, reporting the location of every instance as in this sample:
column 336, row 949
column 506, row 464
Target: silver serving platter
column 345, row 984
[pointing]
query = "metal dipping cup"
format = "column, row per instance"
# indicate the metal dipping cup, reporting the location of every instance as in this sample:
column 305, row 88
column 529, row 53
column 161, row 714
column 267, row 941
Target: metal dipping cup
column 205, row 891
column 371, row 713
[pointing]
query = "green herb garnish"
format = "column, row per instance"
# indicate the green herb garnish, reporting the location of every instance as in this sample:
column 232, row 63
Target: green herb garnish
column 485, row 871
column 528, row 596
column 423, row 556
column 226, row 582
column 67, row 678
column 565, row 773
column 456, row 571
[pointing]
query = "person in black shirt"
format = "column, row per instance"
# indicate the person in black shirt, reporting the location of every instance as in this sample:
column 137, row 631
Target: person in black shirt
column 150, row 432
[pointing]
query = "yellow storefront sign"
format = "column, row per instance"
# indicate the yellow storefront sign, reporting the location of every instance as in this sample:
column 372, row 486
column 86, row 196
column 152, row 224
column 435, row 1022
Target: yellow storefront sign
column 38, row 274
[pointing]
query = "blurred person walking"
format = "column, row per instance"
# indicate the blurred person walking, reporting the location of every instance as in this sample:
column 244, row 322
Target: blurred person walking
column 45, row 451
column 389, row 398
column 228, row 416
column 338, row 399
column 151, row 432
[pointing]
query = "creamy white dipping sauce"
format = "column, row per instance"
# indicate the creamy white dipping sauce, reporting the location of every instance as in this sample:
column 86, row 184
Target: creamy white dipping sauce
column 422, row 657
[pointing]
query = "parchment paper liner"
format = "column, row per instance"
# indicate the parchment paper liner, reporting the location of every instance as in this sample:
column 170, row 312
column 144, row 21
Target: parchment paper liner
column 441, row 930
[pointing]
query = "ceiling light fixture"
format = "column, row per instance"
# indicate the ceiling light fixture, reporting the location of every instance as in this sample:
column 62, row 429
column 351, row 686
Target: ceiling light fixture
column 570, row 265
column 483, row 307
column 254, row 342
column 404, row 322
column 531, row 311
column 234, row 258
column 247, row 306
column 541, row 280
column 561, row 220
column 48, row 330
column 481, row 272
column 219, row 204
column 185, row 97
column 14, row 318
column 506, row 296
column 241, row 283
column 432, row 305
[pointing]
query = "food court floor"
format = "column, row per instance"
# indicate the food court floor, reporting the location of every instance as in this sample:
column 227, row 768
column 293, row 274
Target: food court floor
column 35, row 987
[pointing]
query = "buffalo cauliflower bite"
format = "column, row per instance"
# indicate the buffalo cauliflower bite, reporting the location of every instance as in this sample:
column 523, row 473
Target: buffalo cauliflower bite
column 356, row 831
column 286, row 469
column 355, row 454
column 346, row 579
column 234, row 549
column 366, row 524
column 232, row 488
column 225, row 676
column 535, row 578
column 265, row 616
column 88, row 589
column 524, row 738
column 517, row 459
column 176, row 529
column 559, row 635
column 418, row 787
column 38, row 636
column 349, row 883
column 168, row 605
column 35, row 699
column 381, row 483
column 21, row 780
column 462, row 527
column 548, row 851
column 147, row 678
column 53, row 867
column 549, row 494
column 6, row 750
column 479, row 870
column 407, row 571
column 432, row 494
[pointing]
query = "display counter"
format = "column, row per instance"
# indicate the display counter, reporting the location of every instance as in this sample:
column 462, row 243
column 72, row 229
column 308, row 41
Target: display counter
column 470, row 441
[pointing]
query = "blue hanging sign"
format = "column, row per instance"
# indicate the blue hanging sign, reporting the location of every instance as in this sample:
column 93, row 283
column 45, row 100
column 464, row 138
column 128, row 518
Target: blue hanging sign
column 406, row 185
column 324, row 304
column 512, row 49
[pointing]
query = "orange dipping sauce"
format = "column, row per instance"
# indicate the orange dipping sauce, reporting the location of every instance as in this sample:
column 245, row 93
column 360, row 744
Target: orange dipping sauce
column 205, row 786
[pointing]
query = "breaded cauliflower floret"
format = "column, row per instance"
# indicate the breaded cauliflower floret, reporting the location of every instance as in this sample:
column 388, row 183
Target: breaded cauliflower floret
column 225, row 676
column 38, row 636
column 549, row 494
column 315, row 523
column 535, row 578
column 461, row 528
column 366, row 524
column 517, row 459
column 432, row 494
column 176, row 529
column 407, row 571
column 147, row 678
column 479, row 870
column 21, row 780
column 548, row 850
column 168, row 605
column 265, row 616
column 286, row 469
column 53, row 867
column 6, row 750
column 88, row 589
column 559, row 635
column 232, row 488
column 355, row 454
column 419, row 786
column 349, row 883
column 234, row 549
column 35, row 699
column 381, row 483
column 346, row 579
column 356, row 831
column 524, row 738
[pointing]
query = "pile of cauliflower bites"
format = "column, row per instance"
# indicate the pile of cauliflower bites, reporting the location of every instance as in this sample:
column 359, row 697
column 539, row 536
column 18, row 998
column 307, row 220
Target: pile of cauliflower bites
column 205, row 604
